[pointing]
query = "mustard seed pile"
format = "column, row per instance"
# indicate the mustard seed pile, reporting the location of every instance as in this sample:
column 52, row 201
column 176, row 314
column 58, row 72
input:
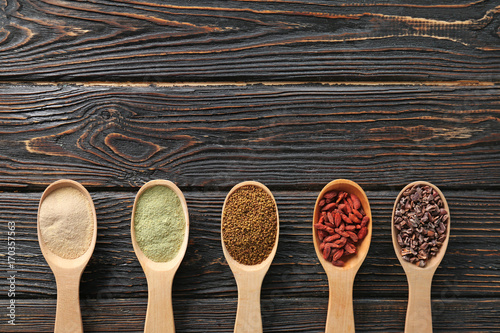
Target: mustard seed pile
column 249, row 225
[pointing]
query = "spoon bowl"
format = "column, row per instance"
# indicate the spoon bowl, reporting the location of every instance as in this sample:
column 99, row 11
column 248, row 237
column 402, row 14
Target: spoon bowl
column 340, row 316
column 67, row 272
column 160, row 275
column 418, row 314
column 249, row 277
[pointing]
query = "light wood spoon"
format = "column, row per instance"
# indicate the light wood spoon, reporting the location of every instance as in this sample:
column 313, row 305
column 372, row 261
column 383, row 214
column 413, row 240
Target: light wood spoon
column 160, row 275
column 67, row 271
column 249, row 277
column 418, row 313
column 340, row 317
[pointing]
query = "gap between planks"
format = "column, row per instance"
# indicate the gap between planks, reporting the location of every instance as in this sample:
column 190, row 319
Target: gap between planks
column 463, row 83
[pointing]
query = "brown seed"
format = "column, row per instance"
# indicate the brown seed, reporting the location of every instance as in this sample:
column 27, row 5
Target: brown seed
column 322, row 202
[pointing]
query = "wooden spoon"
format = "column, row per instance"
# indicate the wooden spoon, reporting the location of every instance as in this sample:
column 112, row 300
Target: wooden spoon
column 160, row 275
column 249, row 277
column 340, row 317
column 418, row 314
column 67, row 271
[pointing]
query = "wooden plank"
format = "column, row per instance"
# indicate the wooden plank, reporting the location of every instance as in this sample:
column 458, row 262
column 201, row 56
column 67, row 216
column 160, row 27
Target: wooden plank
column 152, row 41
column 280, row 314
column 469, row 269
column 287, row 136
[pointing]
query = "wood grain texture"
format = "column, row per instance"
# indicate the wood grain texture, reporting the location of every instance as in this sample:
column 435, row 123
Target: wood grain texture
column 294, row 138
column 280, row 314
column 288, row 137
column 153, row 40
column 469, row 268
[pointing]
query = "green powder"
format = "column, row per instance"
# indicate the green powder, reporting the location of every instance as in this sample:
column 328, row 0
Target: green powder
column 159, row 223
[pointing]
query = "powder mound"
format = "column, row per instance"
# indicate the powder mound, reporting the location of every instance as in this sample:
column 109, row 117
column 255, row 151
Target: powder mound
column 66, row 222
column 159, row 223
column 249, row 225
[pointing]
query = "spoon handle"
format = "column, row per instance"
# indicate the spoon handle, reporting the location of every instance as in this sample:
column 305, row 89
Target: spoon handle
column 160, row 314
column 248, row 316
column 340, row 317
column 68, row 316
column 419, row 314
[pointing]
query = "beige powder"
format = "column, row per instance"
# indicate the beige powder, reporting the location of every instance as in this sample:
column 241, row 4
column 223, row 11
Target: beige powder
column 66, row 222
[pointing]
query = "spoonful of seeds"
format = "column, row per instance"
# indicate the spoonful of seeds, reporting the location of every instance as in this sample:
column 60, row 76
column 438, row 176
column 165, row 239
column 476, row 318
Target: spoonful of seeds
column 67, row 232
column 342, row 230
column 250, row 230
column 160, row 232
column 420, row 233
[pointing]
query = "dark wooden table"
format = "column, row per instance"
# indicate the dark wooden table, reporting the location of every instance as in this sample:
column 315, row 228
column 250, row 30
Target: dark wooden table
column 292, row 94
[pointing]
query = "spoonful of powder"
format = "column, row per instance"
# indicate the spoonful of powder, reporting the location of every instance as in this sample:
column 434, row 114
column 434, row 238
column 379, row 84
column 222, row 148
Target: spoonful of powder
column 66, row 222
